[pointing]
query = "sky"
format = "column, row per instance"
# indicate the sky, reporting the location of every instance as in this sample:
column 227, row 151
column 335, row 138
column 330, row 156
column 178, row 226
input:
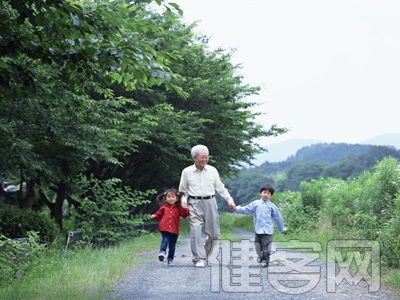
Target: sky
column 329, row 70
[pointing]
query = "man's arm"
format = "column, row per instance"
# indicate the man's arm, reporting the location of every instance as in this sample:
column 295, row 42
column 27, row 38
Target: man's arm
column 223, row 191
column 183, row 188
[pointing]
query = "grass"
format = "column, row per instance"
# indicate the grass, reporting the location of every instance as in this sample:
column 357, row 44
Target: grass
column 87, row 273
column 79, row 274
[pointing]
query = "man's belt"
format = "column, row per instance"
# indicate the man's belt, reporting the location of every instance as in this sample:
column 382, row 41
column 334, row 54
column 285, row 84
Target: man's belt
column 201, row 198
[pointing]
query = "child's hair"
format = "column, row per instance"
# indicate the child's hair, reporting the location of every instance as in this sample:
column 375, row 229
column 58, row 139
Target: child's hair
column 162, row 198
column 268, row 187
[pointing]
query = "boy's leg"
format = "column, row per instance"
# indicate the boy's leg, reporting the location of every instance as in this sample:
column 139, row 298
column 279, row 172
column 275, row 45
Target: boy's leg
column 266, row 243
column 257, row 244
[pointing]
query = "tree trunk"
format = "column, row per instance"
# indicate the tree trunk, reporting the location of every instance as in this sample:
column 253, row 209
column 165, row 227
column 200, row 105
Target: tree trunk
column 56, row 207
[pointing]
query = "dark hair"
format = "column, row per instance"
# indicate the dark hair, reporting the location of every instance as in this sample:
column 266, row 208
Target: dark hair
column 268, row 187
column 162, row 198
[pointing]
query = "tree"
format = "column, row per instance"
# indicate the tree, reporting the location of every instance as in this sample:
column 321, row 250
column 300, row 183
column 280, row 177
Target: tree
column 214, row 113
column 99, row 89
column 53, row 54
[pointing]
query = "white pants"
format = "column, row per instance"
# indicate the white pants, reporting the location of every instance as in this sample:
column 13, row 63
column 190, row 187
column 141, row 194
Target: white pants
column 204, row 221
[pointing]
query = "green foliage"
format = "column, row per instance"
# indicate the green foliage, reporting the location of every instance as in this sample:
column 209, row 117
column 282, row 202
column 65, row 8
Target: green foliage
column 17, row 223
column 104, row 211
column 330, row 153
column 18, row 257
column 390, row 238
column 99, row 42
column 311, row 193
column 342, row 161
column 296, row 215
column 115, row 90
column 387, row 177
column 300, row 172
column 86, row 273
column 366, row 207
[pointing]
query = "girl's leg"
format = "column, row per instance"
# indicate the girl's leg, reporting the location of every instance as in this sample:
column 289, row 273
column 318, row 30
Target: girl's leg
column 164, row 244
column 173, row 238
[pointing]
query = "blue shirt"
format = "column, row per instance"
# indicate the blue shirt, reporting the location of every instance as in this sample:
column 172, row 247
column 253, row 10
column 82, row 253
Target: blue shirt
column 265, row 214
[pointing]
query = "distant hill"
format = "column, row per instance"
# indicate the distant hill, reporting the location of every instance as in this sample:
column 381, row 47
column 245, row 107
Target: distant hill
column 281, row 151
column 330, row 153
column 390, row 139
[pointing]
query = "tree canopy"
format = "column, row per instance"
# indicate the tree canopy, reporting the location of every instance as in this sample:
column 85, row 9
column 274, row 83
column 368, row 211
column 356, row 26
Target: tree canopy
column 114, row 90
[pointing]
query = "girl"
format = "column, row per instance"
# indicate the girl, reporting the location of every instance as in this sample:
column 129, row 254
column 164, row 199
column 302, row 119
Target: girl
column 169, row 215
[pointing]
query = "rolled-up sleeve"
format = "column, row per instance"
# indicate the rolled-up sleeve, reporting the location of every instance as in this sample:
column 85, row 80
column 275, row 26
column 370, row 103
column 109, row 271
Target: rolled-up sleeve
column 221, row 189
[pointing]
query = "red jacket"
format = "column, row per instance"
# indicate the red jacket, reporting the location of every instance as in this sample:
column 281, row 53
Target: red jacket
column 169, row 217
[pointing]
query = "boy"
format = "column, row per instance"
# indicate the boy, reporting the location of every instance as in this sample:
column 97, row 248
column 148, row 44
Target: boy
column 265, row 213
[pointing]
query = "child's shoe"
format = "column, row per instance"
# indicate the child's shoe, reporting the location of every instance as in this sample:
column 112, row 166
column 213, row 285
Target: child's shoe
column 161, row 256
column 264, row 263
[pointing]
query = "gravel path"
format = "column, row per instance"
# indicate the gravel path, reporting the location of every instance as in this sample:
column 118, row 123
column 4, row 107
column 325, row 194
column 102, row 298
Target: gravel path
column 242, row 278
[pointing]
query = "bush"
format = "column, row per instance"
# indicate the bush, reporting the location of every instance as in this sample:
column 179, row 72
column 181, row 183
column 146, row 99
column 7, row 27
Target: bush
column 104, row 212
column 312, row 193
column 16, row 223
column 390, row 238
column 17, row 257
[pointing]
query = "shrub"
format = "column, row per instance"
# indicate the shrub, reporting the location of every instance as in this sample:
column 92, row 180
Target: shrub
column 16, row 223
column 18, row 257
column 312, row 192
column 104, row 211
column 390, row 238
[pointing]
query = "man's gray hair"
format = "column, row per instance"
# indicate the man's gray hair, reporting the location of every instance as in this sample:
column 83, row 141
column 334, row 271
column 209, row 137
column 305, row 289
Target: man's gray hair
column 197, row 148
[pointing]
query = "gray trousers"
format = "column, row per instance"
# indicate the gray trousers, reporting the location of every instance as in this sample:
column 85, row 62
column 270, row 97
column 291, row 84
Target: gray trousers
column 204, row 227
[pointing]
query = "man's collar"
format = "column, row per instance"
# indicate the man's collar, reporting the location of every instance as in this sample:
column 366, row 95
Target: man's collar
column 195, row 168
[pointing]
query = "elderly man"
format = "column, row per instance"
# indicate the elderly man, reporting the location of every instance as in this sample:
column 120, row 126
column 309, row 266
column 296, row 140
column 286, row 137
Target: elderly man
column 199, row 183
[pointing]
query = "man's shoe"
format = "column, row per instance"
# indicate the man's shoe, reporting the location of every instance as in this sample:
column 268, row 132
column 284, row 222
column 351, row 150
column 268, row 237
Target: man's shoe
column 161, row 256
column 200, row 264
column 195, row 260
column 170, row 262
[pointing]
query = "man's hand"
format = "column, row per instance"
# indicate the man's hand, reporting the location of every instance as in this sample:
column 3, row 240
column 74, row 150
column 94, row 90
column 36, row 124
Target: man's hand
column 184, row 205
column 232, row 206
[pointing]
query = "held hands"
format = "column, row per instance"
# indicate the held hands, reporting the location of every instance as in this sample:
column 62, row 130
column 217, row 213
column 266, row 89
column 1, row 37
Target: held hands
column 184, row 205
column 232, row 206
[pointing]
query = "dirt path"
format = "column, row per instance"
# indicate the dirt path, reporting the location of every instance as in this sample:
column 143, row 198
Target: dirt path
column 242, row 278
